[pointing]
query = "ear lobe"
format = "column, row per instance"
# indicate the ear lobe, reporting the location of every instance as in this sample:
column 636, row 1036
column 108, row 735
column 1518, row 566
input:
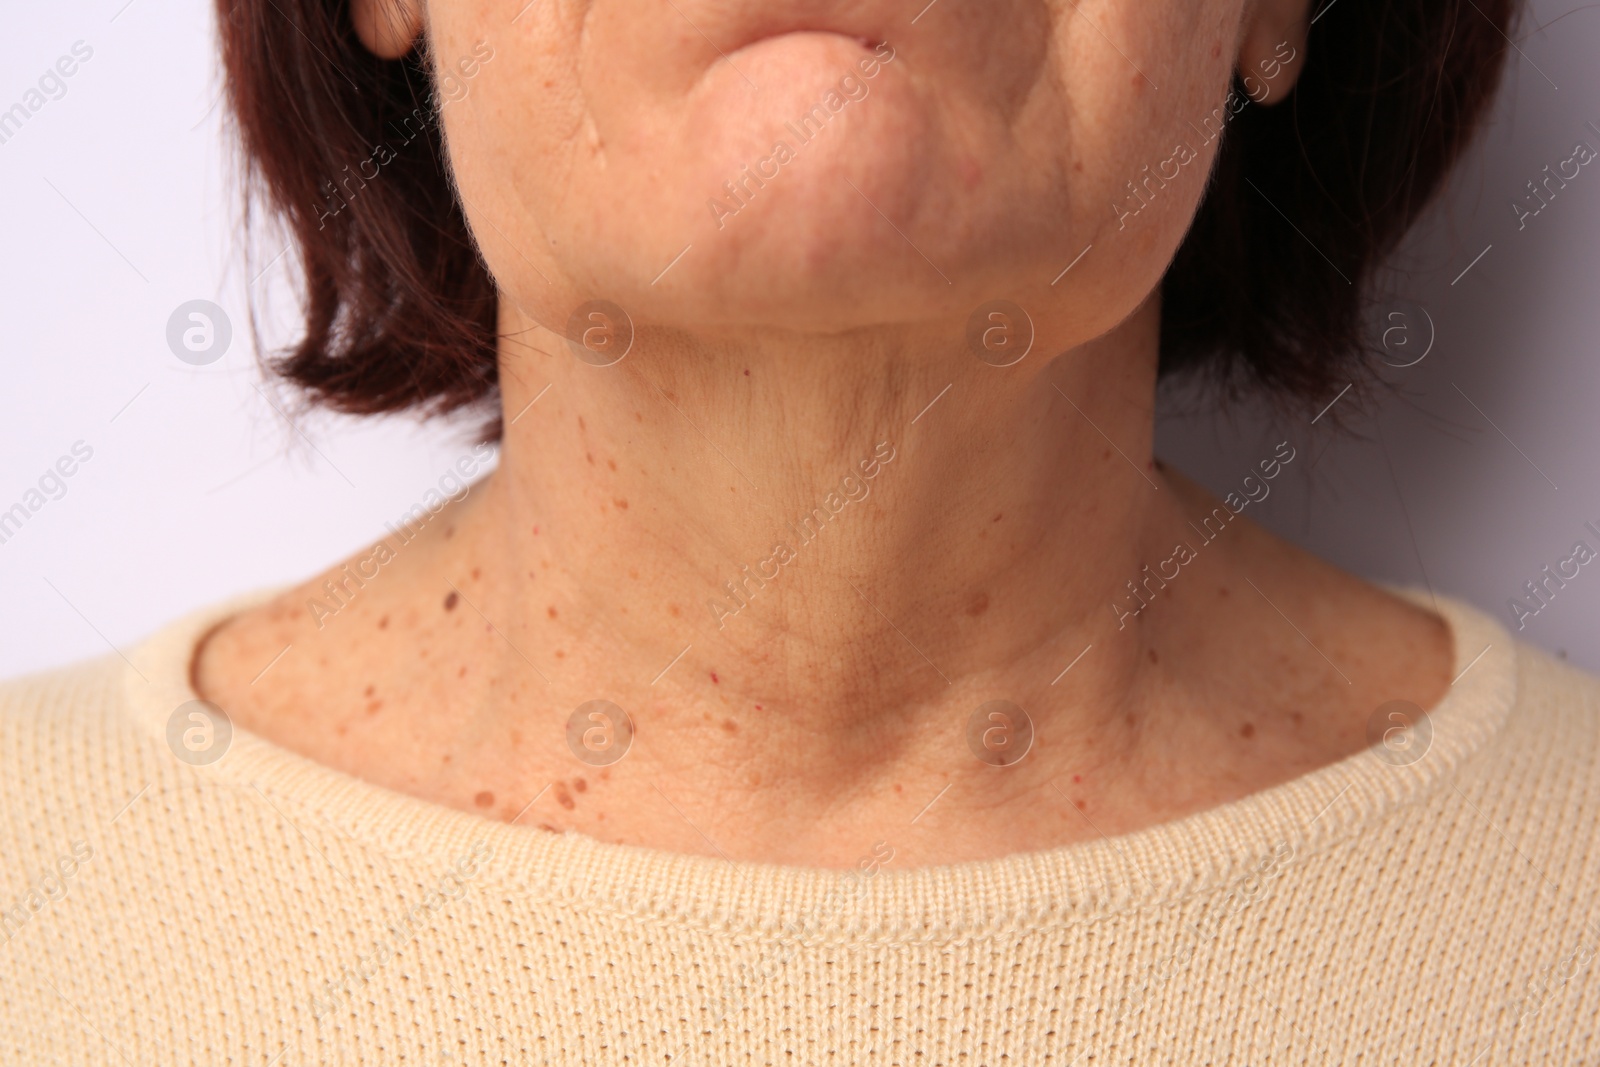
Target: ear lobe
column 1273, row 50
column 389, row 28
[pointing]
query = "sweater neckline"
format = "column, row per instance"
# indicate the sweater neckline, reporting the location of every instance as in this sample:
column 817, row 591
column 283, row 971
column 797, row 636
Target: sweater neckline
column 1161, row 864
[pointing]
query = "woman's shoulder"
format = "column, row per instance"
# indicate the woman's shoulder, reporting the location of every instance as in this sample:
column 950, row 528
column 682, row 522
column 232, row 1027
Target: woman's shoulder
column 69, row 744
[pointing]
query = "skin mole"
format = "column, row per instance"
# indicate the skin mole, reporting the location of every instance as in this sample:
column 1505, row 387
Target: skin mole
column 564, row 798
column 450, row 601
column 484, row 799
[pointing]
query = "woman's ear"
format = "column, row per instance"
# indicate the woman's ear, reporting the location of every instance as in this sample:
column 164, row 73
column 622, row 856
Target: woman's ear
column 1274, row 48
column 389, row 28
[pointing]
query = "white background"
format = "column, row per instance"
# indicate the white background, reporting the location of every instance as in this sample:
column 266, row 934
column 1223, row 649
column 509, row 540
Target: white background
column 118, row 205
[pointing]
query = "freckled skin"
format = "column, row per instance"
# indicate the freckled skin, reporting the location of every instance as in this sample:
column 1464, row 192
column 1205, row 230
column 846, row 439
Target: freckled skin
column 861, row 648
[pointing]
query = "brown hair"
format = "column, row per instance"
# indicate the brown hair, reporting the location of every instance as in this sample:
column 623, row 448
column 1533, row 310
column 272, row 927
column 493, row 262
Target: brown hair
column 1305, row 201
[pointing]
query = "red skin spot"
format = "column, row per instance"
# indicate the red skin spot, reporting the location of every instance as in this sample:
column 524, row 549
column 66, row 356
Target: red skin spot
column 536, row 530
column 672, row 609
column 462, row 673
column 611, row 463
column 370, row 690
column 714, row 679
column 758, row 707
column 1076, row 778
column 484, row 799
column 343, row 730
column 581, row 426
column 450, row 601
column 1153, row 658
column 590, row 457
column 579, row 784
column 1216, row 49
column 474, row 573
column 1079, row 805
column 1247, row 731
column 898, row 788
column 560, row 654
column 747, row 372
column 730, row 726
column 620, row 503
column 383, row 623
column 552, row 611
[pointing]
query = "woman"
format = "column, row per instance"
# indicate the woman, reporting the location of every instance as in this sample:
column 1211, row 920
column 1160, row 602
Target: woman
column 827, row 672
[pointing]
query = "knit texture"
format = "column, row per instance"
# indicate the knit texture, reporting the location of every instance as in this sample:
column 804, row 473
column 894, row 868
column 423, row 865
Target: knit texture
column 263, row 909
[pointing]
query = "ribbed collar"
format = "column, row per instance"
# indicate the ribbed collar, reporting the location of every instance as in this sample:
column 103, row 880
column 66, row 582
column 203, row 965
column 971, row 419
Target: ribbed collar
column 1071, row 884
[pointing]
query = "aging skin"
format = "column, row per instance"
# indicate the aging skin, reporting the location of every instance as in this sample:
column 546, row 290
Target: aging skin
column 773, row 355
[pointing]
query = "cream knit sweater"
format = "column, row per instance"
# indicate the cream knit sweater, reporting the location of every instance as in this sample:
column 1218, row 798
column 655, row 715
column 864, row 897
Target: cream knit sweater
column 262, row 909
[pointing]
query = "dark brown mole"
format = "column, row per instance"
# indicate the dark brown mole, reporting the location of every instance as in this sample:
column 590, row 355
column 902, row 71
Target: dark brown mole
column 998, row 516
column 730, row 726
column 484, row 799
column 579, row 784
column 564, row 798
column 747, row 372
column 1247, row 731
column 450, row 601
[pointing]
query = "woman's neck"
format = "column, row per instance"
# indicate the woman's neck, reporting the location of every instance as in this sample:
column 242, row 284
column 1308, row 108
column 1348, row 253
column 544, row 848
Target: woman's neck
column 836, row 531
column 805, row 570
